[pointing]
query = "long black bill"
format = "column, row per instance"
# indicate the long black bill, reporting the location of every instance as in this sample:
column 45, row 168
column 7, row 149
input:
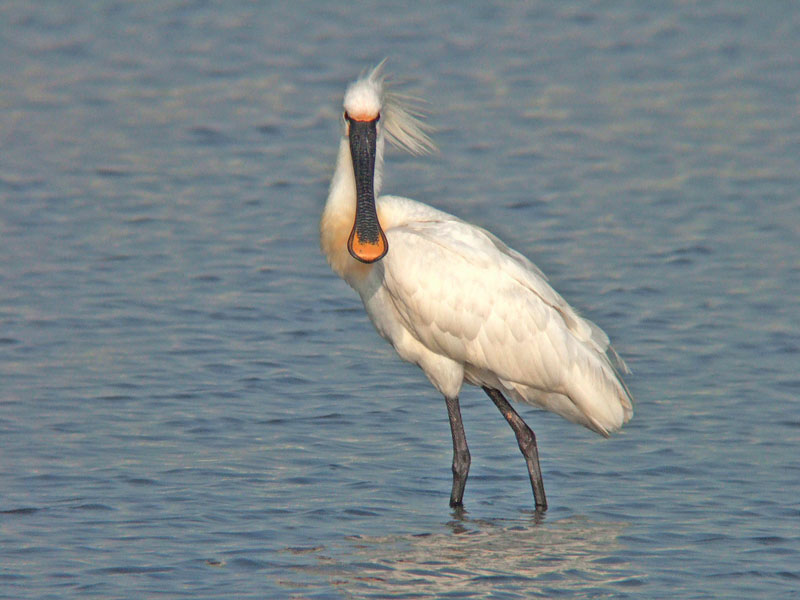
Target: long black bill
column 367, row 241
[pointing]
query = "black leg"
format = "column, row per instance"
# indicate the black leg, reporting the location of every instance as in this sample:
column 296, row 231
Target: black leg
column 461, row 457
column 527, row 444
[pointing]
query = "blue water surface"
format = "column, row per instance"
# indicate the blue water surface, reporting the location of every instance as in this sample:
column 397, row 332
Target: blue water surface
column 193, row 405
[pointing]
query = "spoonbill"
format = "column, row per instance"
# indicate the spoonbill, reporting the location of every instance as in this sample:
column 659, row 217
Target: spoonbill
column 454, row 299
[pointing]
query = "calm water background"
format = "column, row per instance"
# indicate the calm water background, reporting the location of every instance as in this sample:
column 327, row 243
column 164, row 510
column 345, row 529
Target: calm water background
column 192, row 405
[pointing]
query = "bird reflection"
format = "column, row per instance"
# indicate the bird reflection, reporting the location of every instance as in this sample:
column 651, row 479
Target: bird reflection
column 477, row 557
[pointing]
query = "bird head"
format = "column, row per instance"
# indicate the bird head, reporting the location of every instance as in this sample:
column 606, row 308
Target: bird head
column 370, row 113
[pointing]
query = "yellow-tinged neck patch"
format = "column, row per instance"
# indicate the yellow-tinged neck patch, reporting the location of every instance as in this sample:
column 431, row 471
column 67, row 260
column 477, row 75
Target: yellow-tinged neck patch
column 334, row 232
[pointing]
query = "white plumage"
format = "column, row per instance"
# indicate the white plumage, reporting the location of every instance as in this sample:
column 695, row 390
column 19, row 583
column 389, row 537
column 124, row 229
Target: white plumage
column 455, row 300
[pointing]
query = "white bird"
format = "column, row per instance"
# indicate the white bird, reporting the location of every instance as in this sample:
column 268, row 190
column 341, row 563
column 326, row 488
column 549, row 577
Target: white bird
column 454, row 299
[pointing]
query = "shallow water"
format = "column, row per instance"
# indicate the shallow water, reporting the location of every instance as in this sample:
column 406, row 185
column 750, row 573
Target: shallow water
column 192, row 404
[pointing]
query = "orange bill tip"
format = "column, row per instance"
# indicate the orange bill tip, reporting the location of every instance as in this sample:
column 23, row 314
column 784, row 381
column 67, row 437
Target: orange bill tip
column 367, row 252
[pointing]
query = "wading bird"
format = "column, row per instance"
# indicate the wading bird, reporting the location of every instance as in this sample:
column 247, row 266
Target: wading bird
column 454, row 299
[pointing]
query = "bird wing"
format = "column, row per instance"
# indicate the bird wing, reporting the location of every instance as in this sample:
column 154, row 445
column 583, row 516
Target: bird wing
column 464, row 294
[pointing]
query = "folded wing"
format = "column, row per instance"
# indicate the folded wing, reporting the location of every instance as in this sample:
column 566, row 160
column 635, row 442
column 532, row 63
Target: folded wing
column 464, row 294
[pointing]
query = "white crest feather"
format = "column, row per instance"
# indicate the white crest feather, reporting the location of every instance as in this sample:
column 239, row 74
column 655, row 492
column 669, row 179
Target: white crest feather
column 401, row 115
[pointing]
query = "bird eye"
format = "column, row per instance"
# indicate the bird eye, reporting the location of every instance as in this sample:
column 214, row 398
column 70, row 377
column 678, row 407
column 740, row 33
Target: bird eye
column 346, row 116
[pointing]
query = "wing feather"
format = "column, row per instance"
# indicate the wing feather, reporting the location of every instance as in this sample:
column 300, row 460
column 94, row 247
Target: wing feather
column 464, row 294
